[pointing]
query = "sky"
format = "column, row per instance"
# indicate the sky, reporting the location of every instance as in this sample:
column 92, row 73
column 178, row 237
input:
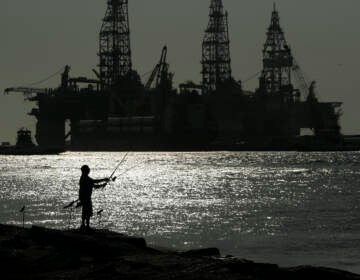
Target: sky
column 39, row 37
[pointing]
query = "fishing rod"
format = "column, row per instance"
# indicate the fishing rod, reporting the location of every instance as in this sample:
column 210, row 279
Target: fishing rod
column 116, row 168
column 71, row 211
column 126, row 171
column 111, row 178
column 71, row 204
column 22, row 211
column 99, row 214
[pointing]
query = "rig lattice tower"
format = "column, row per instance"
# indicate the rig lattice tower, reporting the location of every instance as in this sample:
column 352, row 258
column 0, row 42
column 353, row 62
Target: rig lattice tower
column 115, row 51
column 277, row 59
column 216, row 66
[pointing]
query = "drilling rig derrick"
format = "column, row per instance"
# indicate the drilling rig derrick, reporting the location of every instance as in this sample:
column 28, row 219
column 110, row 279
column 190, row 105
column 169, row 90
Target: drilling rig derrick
column 277, row 59
column 216, row 66
column 115, row 52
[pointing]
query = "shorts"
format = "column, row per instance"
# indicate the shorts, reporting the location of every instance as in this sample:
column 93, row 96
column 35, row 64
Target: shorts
column 87, row 209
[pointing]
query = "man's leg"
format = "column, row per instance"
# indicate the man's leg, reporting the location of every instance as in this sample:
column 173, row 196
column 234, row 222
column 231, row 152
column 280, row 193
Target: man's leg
column 89, row 214
column 83, row 217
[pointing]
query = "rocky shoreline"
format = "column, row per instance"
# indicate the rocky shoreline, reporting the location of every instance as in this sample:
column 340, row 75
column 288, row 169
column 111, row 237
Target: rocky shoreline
column 39, row 253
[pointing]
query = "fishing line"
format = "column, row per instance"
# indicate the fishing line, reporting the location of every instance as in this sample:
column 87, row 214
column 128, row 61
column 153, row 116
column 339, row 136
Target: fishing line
column 127, row 170
column 103, row 188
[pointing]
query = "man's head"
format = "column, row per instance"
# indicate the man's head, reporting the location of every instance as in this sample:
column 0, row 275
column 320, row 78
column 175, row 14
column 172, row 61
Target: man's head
column 85, row 169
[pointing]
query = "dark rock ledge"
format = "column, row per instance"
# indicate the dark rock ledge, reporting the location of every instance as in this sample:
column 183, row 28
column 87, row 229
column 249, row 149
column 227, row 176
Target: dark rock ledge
column 40, row 253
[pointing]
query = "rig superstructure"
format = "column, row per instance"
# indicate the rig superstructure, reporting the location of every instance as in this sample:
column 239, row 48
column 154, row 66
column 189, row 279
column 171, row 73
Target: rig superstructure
column 117, row 111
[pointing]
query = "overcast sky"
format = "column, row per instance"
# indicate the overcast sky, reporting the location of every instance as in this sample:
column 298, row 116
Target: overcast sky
column 38, row 37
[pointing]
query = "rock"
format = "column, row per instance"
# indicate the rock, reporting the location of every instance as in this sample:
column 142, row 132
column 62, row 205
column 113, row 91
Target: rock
column 248, row 267
column 93, row 243
column 309, row 272
column 208, row 252
column 54, row 254
column 16, row 243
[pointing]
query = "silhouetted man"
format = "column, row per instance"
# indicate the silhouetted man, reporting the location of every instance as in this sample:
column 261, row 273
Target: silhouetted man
column 86, row 187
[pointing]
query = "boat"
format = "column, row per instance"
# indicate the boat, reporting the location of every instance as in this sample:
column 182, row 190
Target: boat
column 25, row 146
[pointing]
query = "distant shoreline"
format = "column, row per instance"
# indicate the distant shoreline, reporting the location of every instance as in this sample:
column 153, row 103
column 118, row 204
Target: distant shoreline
column 38, row 151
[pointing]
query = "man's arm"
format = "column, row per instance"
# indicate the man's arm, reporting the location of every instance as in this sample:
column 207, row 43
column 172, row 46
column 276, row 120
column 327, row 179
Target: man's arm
column 100, row 186
column 100, row 180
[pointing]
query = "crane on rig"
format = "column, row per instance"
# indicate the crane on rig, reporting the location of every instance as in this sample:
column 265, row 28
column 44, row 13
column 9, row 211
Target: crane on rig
column 160, row 70
column 300, row 77
column 66, row 83
column 30, row 90
column 306, row 88
column 25, row 90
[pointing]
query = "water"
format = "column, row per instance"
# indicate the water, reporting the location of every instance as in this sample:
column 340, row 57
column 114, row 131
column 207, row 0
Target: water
column 281, row 207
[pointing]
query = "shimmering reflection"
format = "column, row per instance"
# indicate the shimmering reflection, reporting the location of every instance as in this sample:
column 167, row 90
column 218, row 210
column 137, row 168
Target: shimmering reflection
column 290, row 208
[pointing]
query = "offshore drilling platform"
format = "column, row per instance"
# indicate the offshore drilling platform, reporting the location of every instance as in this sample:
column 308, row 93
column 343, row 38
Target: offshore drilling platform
column 118, row 111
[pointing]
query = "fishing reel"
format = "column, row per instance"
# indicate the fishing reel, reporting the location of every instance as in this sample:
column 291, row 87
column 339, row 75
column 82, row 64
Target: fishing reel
column 111, row 179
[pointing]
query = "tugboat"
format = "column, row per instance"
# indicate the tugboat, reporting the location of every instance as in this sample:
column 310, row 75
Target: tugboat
column 25, row 146
column 23, row 140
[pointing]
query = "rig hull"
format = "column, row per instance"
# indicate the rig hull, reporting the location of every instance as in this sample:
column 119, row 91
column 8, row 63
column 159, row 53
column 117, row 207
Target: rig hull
column 186, row 121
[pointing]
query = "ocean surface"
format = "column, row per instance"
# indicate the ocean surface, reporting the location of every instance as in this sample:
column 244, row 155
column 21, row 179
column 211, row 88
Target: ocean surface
column 281, row 207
